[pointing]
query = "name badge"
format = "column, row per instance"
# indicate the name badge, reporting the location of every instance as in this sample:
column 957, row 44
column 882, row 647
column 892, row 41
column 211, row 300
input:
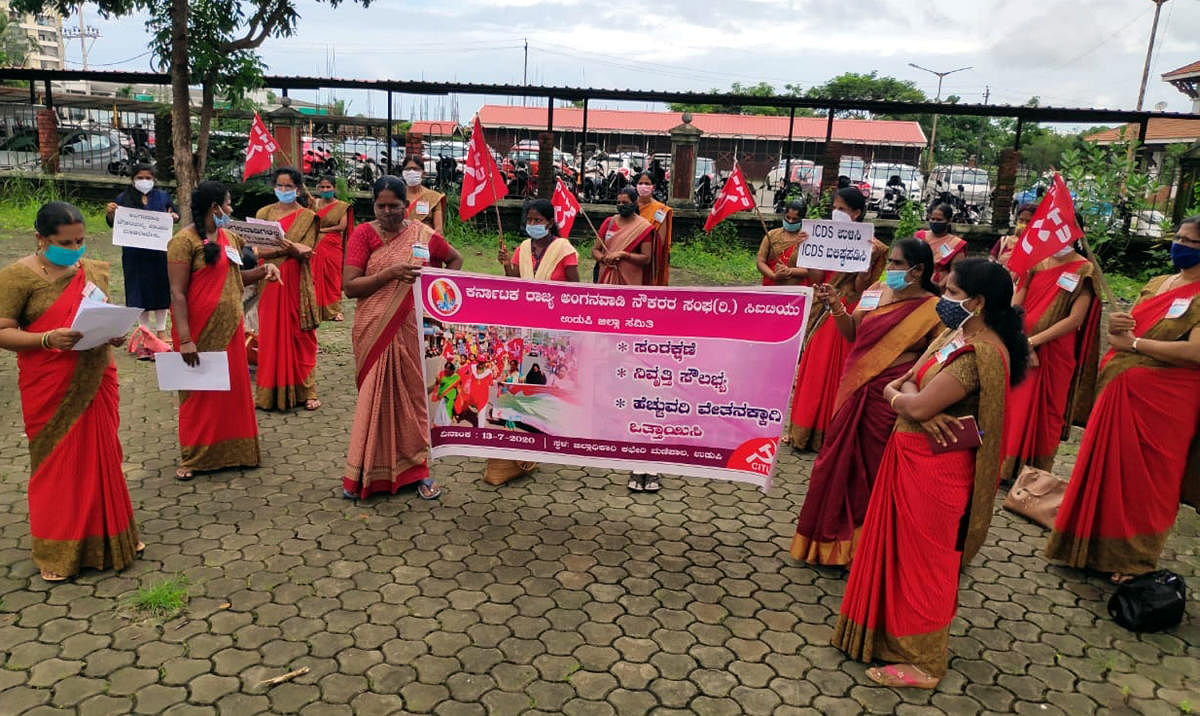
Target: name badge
column 944, row 250
column 609, row 235
column 1178, row 307
column 92, row 292
column 420, row 252
column 948, row 350
column 869, row 300
column 660, row 215
column 1068, row 282
column 422, row 207
column 234, row 256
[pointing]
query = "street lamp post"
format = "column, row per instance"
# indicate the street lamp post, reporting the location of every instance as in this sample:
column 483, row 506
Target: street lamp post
column 1149, row 51
column 933, row 131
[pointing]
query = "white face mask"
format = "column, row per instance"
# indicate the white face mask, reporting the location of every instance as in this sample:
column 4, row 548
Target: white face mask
column 839, row 215
column 1064, row 251
column 143, row 185
column 411, row 177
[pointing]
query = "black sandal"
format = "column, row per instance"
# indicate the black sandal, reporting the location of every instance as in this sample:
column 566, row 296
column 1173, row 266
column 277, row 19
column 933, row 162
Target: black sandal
column 650, row 483
column 635, row 483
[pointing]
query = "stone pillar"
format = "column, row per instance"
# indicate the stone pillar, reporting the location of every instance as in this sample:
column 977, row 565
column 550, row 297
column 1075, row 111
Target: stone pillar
column 1006, row 184
column 164, row 148
column 414, row 146
column 685, row 140
column 47, row 124
column 831, row 161
column 285, row 124
column 545, row 177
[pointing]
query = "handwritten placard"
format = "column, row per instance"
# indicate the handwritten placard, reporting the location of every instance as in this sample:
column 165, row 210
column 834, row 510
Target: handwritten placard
column 142, row 229
column 258, row 232
column 843, row 246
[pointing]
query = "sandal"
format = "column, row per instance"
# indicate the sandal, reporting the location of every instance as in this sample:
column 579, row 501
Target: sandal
column 1117, row 578
column 339, row 318
column 635, row 483
column 52, row 577
column 349, row 495
column 140, row 549
column 898, row 676
column 650, row 483
column 183, row 474
column 312, row 404
column 427, row 489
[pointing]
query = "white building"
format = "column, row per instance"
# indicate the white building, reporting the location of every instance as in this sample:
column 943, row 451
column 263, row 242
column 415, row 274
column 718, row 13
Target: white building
column 46, row 50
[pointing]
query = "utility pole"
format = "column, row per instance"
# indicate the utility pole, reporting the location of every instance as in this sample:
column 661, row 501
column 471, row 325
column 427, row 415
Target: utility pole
column 933, row 132
column 987, row 92
column 84, row 33
column 1149, row 51
column 525, row 71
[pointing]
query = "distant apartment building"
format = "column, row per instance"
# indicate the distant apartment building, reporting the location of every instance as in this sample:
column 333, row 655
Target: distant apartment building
column 45, row 34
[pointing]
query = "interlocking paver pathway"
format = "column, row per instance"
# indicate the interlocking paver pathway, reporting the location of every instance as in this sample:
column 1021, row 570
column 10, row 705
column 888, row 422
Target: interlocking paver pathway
column 557, row 594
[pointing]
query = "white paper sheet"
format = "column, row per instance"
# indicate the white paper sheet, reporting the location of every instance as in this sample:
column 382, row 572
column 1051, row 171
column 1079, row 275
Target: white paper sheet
column 142, row 229
column 174, row 374
column 258, row 232
column 101, row 322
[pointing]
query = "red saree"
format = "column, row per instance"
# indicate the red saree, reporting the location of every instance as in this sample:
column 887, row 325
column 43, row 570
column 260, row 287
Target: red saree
column 1039, row 408
column 327, row 258
column 389, row 438
column 945, row 250
column 840, row 486
column 79, row 509
column 1140, row 455
column 822, row 360
column 626, row 238
column 217, row 429
column 287, row 322
column 927, row 517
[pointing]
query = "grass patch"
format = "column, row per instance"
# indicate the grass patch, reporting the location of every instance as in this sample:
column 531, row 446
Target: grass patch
column 163, row 599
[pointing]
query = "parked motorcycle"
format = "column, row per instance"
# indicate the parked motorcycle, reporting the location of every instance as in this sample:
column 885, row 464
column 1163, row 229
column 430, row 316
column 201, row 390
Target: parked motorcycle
column 964, row 213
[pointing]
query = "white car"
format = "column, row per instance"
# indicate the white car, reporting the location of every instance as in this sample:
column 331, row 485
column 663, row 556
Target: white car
column 877, row 176
column 79, row 150
column 975, row 183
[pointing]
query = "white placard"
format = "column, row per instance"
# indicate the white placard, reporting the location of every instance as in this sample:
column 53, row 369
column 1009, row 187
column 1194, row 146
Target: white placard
column 142, row 229
column 836, row 245
column 101, row 322
column 212, row 373
column 256, row 232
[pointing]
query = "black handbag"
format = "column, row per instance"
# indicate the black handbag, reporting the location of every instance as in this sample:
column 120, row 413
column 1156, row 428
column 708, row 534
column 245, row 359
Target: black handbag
column 1149, row 602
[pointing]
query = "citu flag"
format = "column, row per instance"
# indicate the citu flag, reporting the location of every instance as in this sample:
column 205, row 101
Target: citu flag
column 734, row 197
column 259, row 150
column 566, row 208
column 483, row 184
column 1052, row 227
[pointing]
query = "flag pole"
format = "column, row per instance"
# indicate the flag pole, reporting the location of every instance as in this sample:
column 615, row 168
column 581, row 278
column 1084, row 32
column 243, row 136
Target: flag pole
column 761, row 219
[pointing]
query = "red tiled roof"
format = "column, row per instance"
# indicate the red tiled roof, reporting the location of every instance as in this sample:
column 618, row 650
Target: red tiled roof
column 1158, row 131
column 434, row 128
column 1191, row 69
column 748, row 126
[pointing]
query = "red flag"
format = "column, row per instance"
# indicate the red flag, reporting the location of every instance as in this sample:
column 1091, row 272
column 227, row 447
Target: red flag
column 261, row 147
column 735, row 196
column 566, row 208
column 1051, row 228
column 483, row 184
column 516, row 348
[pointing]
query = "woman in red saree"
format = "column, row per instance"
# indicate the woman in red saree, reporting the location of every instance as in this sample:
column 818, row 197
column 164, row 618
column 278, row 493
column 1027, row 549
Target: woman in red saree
column 79, row 509
column 424, row 204
column 661, row 218
column 1062, row 317
column 1003, row 248
column 893, row 325
column 287, row 309
column 929, row 511
column 824, row 348
column 544, row 256
column 947, row 248
column 1140, row 455
column 217, row 429
column 336, row 219
column 624, row 254
column 776, row 259
column 389, row 438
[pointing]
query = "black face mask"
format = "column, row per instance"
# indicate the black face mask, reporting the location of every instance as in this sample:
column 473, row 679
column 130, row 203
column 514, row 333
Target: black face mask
column 626, row 210
column 939, row 227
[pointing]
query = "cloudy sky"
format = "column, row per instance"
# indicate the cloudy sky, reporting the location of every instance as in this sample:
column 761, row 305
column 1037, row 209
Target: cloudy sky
column 1067, row 52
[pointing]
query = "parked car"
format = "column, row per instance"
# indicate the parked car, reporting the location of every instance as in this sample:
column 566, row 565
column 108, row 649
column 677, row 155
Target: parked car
column 527, row 152
column 878, row 174
column 80, row 150
column 975, row 183
column 804, row 173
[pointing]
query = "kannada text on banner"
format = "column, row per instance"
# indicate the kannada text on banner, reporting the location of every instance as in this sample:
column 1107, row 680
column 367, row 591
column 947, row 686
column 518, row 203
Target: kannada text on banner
column 694, row 381
column 843, row 246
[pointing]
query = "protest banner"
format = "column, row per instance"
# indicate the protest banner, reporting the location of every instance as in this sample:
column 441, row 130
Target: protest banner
column 843, row 246
column 142, row 229
column 679, row 380
column 257, row 232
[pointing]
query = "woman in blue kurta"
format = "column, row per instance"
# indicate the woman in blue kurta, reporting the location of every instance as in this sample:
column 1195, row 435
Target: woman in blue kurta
column 145, row 270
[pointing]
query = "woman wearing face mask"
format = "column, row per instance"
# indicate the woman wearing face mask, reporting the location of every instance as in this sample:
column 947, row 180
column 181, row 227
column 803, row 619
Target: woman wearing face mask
column 389, row 438
column 661, row 217
column 145, row 270
column 79, row 509
column 824, row 348
column 929, row 512
column 947, row 248
column 1140, row 455
column 424, row 204
column 624, row 253
column 895, row 322
column 1062, row 320
column 546, row 257
column 217, row 429
column 776, row 259
column 336, row 218
column 1003, row 248
column 287, row 309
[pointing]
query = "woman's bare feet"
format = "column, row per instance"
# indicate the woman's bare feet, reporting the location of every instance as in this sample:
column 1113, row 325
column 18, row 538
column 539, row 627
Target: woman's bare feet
column 899, row 676
column 52, row 577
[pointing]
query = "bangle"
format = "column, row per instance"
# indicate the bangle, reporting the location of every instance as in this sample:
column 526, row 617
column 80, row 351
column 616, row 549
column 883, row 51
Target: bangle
column 184, row 340
column 46, row 341
column 1135, row 342
column 840, row 305
column 892, row 402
